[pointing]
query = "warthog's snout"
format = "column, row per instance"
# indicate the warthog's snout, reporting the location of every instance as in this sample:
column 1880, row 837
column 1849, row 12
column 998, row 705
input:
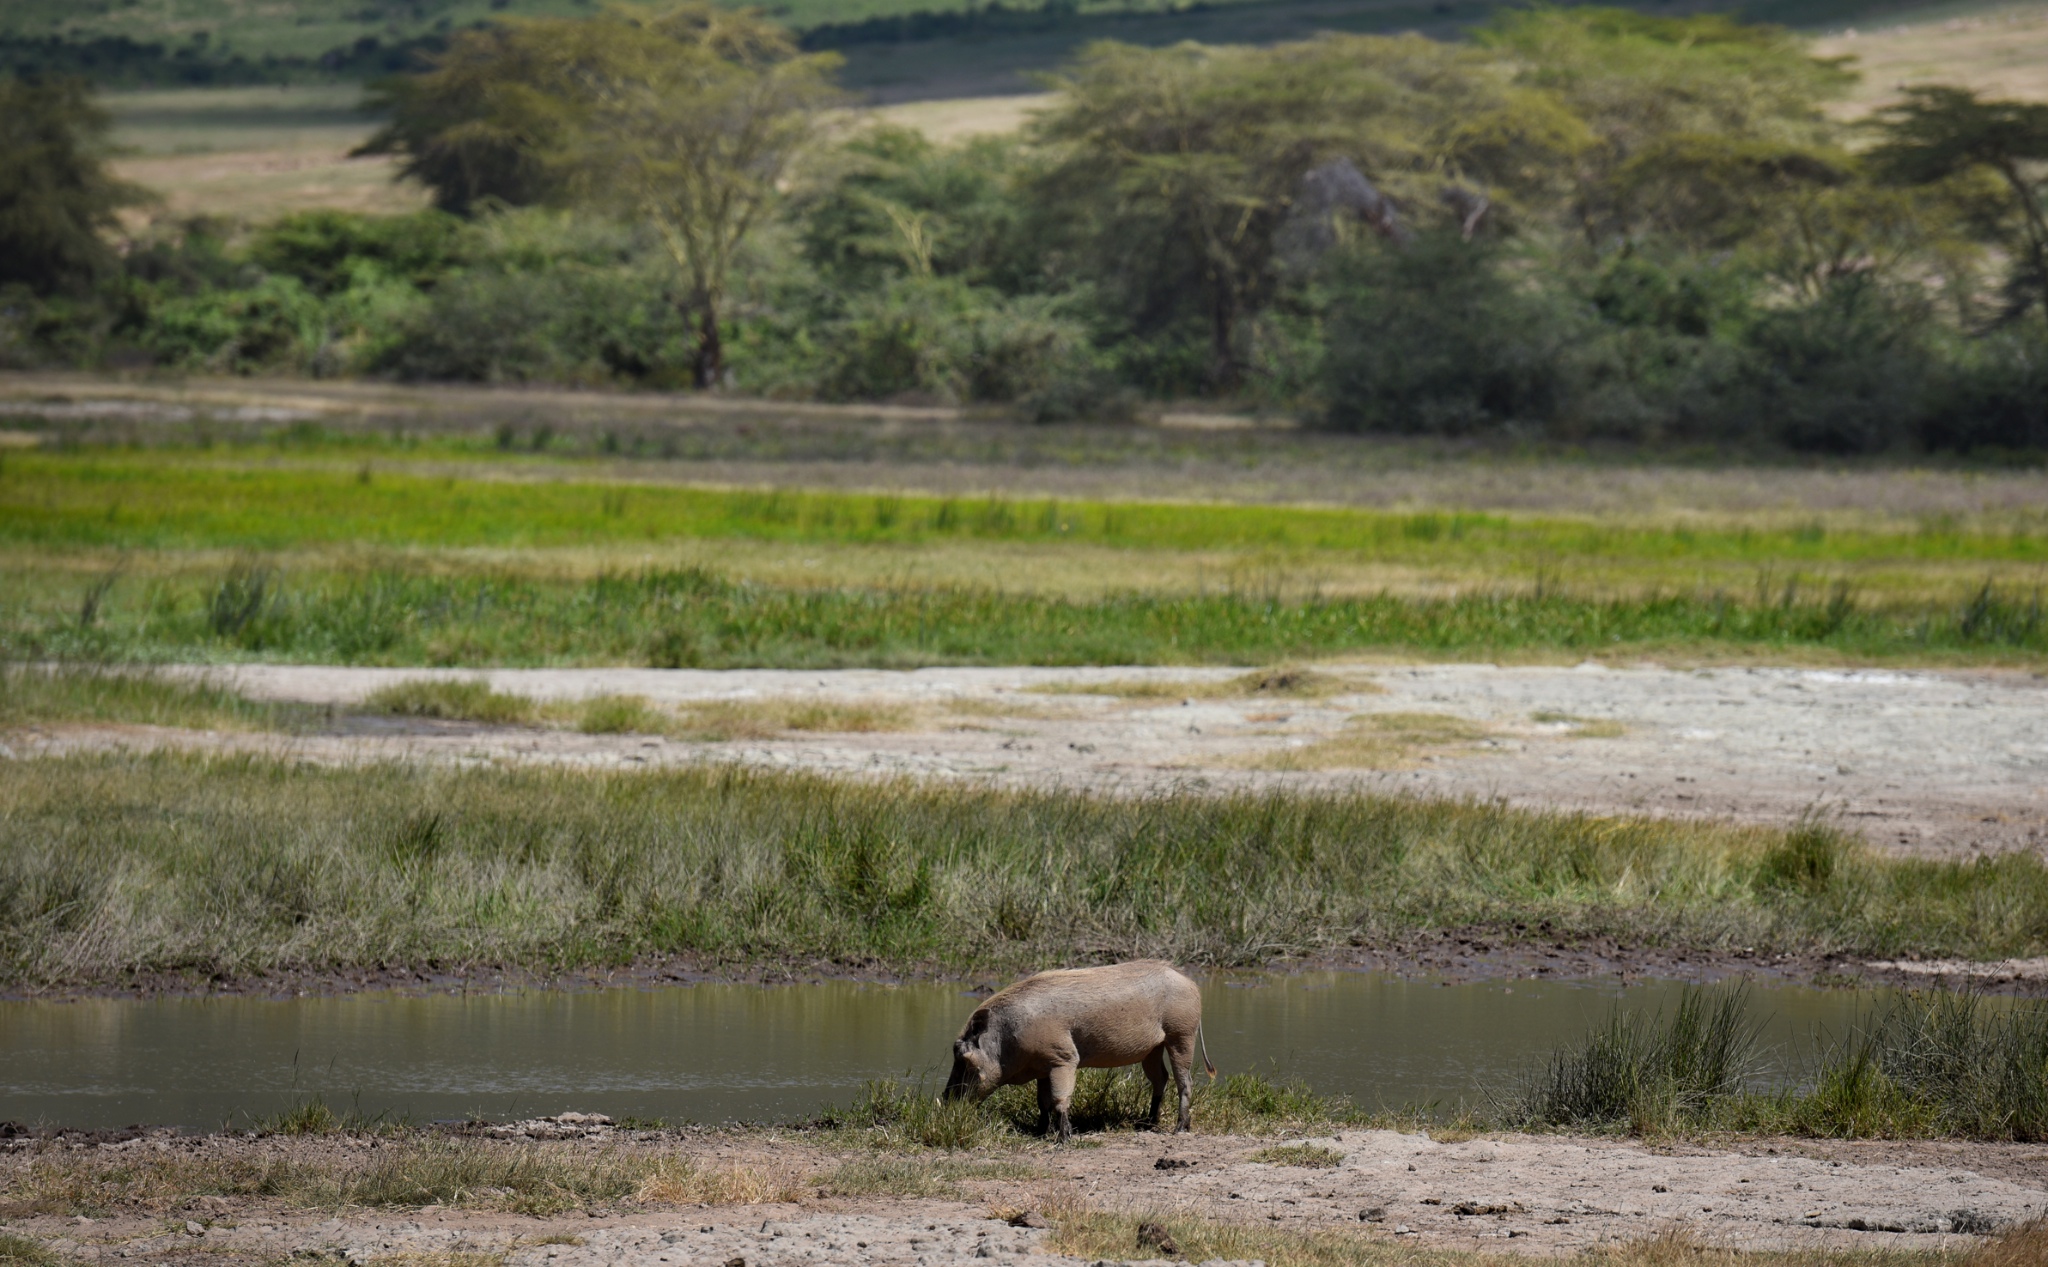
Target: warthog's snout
column 967, row 1080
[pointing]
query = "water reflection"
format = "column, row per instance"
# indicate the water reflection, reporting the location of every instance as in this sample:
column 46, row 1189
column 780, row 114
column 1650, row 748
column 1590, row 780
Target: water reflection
column 717, row 1052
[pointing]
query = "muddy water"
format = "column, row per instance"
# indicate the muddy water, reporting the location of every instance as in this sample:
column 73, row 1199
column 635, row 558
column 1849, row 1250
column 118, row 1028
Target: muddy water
column 719, row 1052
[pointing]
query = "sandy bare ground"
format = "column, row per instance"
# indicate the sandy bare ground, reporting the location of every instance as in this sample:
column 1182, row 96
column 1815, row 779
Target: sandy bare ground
column 1546, row 1194
column 1934, row 764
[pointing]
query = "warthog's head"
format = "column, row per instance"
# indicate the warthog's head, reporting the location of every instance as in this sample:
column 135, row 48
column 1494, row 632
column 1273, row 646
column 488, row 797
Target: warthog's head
column 975, row 1071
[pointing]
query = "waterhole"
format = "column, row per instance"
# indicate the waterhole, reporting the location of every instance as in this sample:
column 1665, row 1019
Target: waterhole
column 714, row 1053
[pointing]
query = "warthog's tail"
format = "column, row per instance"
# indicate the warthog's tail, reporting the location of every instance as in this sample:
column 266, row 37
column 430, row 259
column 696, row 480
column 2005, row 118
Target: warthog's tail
column 1208, row 1064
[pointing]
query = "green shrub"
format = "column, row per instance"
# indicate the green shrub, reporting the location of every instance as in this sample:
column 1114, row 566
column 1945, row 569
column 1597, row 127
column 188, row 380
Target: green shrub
column 1437, row 337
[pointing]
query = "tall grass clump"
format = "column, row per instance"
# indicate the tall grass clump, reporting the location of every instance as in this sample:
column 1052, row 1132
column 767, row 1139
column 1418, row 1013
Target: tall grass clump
column 1948, row 1063
column 1646, row 1070
column 245, row 864
column 1929, row 1064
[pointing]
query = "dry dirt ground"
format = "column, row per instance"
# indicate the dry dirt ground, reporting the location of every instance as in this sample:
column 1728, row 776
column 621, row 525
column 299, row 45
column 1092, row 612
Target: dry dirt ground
column 1504, row 1193
column 1922, row 763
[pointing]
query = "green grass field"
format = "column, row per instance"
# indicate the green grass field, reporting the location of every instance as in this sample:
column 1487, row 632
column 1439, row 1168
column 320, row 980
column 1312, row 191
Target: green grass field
column 387, row 552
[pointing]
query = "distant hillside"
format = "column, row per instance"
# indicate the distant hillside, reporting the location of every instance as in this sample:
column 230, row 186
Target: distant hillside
column 895, row 49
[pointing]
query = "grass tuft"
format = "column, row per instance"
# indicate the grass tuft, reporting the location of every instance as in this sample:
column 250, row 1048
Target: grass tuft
column 22, row 1251
column 680, row 1181
column 452, row 699
column 916, row 1176
column 1308, row 1156
column 1378, row 741
column 1933, row 1064
column 1646, row 1070
column 48, row 694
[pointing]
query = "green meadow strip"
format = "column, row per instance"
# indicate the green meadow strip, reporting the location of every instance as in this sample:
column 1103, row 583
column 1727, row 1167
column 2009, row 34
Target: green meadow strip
column 118, row 864
column 678, row 618
column 168, row 501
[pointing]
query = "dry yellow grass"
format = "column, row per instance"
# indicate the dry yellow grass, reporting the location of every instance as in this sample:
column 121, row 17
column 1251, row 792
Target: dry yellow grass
column 1285, row 681
column 1377, row 741
column 682, row 1182
column 2000, row 53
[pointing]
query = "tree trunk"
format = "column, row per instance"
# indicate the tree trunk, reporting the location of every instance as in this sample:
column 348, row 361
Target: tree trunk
column 1223, row 328
column 709, row 368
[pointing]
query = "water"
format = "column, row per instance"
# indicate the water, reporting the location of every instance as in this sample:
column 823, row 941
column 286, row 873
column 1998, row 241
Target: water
column 719, row 1052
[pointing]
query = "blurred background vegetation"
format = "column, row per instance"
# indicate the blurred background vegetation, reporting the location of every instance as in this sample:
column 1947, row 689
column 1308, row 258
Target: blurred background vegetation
column 1581, row 225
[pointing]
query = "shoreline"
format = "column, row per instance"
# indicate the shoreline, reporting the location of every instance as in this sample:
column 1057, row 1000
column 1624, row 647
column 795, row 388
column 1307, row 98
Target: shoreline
column 1451, row 956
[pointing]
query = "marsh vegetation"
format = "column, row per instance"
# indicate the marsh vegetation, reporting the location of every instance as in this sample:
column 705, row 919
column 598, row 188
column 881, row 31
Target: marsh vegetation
column 118, row 865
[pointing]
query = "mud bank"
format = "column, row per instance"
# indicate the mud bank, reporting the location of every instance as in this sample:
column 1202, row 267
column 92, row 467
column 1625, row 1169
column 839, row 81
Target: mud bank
column 1539, row 1194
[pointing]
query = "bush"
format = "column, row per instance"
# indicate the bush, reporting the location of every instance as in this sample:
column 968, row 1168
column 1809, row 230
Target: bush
column 1843, row 374
column 326, row 250
column 1992, row 394
column 556, row 326
column 275, row 324
column 942, row 339
column 1436, row 337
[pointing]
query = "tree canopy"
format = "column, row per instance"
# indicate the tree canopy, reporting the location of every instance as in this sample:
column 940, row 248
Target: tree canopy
column 57, row 200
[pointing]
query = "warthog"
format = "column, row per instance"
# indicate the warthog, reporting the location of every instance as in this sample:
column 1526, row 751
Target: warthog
column 1049, row 1027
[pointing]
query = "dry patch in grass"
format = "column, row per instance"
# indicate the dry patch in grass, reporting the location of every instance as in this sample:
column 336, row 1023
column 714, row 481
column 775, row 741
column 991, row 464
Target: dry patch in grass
column 1378, row 741
column 1280, row 682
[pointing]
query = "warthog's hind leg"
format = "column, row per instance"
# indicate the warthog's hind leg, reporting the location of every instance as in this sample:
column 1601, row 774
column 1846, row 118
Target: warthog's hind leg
column 1044, row 1103
column 1155, row 1073
column 1180, row 1055
column 1062, row 1079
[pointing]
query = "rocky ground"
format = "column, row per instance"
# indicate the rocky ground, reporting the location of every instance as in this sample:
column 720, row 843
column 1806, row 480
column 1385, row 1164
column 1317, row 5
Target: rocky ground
column 1924, row 763
column 1538, row 1194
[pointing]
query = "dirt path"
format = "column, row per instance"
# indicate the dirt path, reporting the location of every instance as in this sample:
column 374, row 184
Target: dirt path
column 1543, row 1194
column 1920, row 763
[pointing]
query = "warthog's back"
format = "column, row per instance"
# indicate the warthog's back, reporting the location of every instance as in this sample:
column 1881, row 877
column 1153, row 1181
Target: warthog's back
column 1114, row 1014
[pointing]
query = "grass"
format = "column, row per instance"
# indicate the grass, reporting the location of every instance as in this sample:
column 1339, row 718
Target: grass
column 408, row 1171
column 312, row 1115
column 1307, row 1156
column 47, row 694
column 21, row 1251
column 123, row 863
column 1378, row 741
column 1285, row 681
column 450, row 699
column 917, row 1176
column 696, row 618
column 1123, row 1235
column 892, row 1116
column 184, row 500
column 1930, row 1064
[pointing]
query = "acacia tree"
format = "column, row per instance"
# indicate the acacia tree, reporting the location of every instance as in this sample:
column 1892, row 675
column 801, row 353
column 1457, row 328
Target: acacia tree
column 1938, row 134
column 688, row 120
column 685, row 119
column 1190, row 159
